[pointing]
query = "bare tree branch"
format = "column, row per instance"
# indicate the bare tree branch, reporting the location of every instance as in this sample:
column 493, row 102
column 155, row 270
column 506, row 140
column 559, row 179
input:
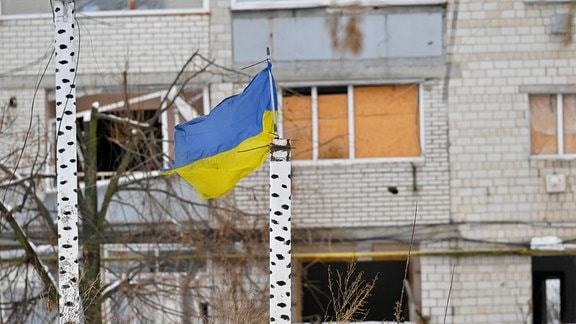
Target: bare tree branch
column 31, row 256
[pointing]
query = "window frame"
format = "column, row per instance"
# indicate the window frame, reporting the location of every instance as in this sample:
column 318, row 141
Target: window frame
column 205, row 8
column 352, row 159
column 561, row 155
column 177, row 115
column 291, row 4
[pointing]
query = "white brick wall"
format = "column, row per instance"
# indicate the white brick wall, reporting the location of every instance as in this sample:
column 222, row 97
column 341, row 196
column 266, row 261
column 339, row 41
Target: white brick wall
column 491, row 167
column 476, row 289
column 493, row 177
column 477, row 168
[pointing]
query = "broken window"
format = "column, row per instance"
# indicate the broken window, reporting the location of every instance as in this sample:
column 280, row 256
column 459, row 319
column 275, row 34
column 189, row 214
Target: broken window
column 132, row 121
column 554, row 289
column 553, row 124
column 352, row 122
column 116, row 132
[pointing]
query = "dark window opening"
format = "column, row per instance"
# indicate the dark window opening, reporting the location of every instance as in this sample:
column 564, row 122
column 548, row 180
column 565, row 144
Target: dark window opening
column 332, row 90
column 381, row 304
column 554, row 289
column 127, row 130
column 204, row 310
column 304, row 91
column 125, row 118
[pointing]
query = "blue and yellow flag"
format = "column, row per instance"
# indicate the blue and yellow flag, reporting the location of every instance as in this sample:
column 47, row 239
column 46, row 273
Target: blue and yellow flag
column 213, row 152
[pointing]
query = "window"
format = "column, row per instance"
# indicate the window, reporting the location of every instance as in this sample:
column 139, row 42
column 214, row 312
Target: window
column 353, row 122
column 384, row 36
column 553, row 124
column 165, row 284
column 112, row 134
column 18, row 7
column 554, row 289
column 124, row 117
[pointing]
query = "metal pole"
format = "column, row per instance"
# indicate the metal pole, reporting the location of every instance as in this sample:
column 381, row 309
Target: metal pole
column 66, row 167
column 280, row 232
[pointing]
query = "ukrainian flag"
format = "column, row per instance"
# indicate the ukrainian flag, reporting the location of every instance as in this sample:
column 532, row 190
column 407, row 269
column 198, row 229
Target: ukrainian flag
column 215, row 151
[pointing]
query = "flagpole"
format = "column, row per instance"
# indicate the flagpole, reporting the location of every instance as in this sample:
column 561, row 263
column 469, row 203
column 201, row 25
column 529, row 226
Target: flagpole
column 280, row 232
column 280, row 220
column 66, row 58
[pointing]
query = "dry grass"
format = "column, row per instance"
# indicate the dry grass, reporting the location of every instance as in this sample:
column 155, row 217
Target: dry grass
column 349, row 292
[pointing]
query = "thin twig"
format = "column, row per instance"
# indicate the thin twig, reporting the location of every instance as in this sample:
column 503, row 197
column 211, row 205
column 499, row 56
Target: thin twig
column 449, row 291
column 254, row 64
column 399, row 304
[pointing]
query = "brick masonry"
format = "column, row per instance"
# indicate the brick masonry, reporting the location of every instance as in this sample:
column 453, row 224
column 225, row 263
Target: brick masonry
column 497, row 189
column 477, row 168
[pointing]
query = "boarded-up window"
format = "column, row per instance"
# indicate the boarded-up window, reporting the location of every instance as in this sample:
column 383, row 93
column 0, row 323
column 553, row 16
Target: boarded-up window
column 553, row 124
column 347, row 122
column 332, row 123
column 569, row 119
column 387, row 121
column 297, row 116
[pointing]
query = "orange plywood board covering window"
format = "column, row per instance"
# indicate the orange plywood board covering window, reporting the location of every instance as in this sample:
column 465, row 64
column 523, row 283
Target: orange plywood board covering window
column 297, row 116
column 543, row 127
column 333, row 126
column 386, row 121
column 569, row 104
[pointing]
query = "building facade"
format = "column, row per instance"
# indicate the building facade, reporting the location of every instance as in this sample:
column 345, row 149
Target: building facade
column 438, row 130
